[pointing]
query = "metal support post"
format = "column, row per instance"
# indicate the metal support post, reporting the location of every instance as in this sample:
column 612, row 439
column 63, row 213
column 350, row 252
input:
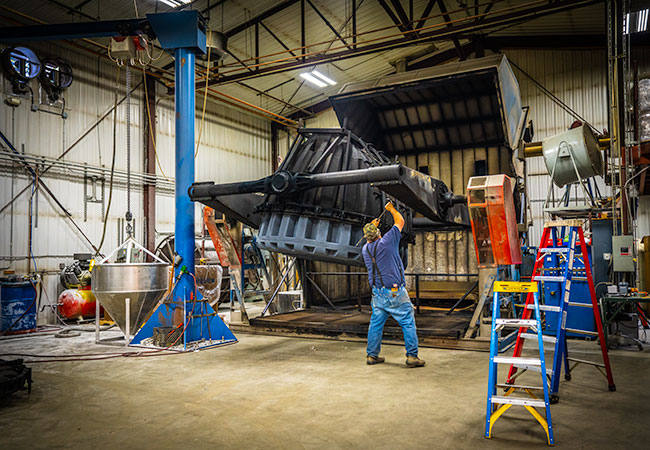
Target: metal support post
column 149, row 194
column 417, row 293
column 96, row 321
column 127, row 314
column 184, row 227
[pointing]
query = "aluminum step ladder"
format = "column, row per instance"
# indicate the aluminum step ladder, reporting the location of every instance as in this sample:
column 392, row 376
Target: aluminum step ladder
column 553, row 243
column 499, row 404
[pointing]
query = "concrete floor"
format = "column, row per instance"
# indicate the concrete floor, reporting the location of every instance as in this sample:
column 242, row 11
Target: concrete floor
column 274, row 392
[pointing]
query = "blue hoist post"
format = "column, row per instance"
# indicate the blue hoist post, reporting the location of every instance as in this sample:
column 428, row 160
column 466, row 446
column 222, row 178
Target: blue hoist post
column 183, row 33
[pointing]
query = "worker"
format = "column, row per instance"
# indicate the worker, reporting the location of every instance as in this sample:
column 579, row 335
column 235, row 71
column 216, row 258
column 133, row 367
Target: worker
column 389, row 294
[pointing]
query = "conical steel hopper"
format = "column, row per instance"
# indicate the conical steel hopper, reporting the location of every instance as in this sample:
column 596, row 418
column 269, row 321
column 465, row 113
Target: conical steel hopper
column 143, row 284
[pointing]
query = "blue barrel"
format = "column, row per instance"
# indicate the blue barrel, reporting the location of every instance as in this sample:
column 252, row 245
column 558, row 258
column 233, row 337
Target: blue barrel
column 17, row 307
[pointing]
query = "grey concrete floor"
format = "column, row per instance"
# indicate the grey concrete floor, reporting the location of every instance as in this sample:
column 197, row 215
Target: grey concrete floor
column 275, row 392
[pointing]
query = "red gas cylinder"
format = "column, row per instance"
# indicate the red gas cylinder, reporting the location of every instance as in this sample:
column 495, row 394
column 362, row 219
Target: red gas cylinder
column 77, row 303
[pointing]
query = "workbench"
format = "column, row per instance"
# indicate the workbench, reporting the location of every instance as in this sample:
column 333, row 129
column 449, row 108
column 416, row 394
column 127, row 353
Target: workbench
column 616, row 304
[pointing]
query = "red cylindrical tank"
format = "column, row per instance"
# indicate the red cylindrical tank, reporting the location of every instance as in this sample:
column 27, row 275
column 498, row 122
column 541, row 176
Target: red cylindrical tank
column 77, row 303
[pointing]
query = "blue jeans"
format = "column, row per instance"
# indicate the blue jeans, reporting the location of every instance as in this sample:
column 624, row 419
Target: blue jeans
column 397, row 304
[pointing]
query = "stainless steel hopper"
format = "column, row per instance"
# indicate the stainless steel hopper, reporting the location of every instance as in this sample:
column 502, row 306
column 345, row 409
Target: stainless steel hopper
column 127, row 289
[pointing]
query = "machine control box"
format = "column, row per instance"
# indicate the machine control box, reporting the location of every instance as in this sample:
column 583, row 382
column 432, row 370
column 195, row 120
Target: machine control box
column 494, row 221
column 623, row 253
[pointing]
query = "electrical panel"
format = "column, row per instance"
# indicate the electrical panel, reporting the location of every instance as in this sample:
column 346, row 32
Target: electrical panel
column 623, row 253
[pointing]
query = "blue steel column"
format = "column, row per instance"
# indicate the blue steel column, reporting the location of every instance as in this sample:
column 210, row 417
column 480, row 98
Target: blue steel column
column 184, row 227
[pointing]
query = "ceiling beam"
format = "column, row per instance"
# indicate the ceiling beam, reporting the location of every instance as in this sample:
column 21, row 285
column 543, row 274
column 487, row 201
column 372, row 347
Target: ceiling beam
column 279, row 100
column 264, row 15
column 402, row 16
column 82, row 4
column 552, row 41
column 273, row 35
column 329, row 25
column 487, row 10
column 445, row 15
column 210, row 7
column 402, row 27
column 498, row 18
column 72, row 10
column 426, row 13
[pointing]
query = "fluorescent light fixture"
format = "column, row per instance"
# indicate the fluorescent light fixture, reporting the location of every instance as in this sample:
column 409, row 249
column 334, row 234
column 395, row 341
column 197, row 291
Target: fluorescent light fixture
column 176, row 3
column 312, row 79
column 642, row 21
column 636, row 22
column 317, row 78
column 323, row 77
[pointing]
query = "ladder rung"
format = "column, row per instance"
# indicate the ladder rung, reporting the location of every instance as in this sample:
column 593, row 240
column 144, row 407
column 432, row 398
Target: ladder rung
column 518, row 401
column 519, row 386
column 545, row 338
column 516, row 323
column 535, row 368
column 583, row 361
column 554, row 250
column 546, row 308
column 582, row 305
column 548, row 278
column 517, row 360
column 585, row 332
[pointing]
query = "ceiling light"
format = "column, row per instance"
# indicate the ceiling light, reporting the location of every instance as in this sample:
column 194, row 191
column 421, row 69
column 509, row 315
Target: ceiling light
column 176, row 3
column 312, row 79
column 643, row 20
column 636, row 22
column 323, row 77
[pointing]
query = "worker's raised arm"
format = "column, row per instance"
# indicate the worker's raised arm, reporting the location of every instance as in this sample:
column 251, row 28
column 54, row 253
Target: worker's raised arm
column 398, row 219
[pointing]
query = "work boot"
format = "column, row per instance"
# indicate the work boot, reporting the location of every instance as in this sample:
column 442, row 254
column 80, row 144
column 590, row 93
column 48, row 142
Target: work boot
column 414, row 361
column 370, row 360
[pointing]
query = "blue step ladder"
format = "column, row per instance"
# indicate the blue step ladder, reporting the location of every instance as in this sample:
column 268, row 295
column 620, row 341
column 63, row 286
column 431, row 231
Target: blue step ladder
column 563, row 241
column 499, row 404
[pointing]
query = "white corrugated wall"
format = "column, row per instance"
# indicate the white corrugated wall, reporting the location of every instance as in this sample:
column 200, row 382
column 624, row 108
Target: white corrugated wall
column 234, row 146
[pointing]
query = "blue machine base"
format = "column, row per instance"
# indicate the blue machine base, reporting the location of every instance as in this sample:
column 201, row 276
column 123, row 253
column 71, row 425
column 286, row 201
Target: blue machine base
column 210, row 328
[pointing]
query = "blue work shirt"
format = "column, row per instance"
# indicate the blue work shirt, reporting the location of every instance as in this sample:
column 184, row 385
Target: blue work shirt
column 388, row 261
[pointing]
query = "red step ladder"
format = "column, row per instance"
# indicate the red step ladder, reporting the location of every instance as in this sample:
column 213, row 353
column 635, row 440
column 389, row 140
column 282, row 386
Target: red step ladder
column 552, row 244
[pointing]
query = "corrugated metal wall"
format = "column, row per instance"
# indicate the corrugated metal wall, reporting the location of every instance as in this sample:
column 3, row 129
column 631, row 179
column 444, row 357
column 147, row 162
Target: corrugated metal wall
column 234, row 146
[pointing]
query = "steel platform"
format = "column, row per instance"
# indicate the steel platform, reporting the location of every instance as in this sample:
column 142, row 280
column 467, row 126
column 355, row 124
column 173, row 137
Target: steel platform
column 435, row 328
